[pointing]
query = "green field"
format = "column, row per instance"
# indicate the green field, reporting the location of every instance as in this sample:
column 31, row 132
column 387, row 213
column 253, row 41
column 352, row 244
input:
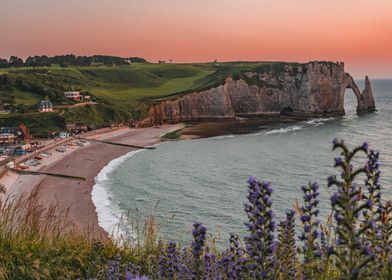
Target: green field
column 126, row 83
column 131, row 82
column 124, row 91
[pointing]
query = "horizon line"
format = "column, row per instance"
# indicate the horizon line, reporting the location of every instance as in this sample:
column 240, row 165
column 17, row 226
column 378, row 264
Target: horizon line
column 205, row 61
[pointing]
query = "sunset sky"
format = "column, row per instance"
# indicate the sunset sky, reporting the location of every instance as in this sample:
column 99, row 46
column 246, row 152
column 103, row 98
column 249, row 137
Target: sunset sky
column 358, row 32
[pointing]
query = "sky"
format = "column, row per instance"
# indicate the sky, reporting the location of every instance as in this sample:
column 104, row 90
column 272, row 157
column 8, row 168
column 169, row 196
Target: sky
column 358, row 32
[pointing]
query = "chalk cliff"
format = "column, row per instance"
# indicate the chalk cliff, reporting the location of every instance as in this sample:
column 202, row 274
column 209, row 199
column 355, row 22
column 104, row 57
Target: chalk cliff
column 309, row 89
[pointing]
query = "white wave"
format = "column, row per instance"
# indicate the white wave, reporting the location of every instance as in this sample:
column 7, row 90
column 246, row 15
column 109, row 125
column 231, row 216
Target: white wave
column 220, row 137
column 283, row 130
column 223, row 136
column 109, row 215
column 312, row 121
column 319, row 121
column 327, row 119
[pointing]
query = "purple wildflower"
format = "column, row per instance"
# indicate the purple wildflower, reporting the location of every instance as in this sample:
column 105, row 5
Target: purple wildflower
column 310, row 224
column 260, row 241
column 334, row 198
column 348, row 203
column 331, row 180
column 199, row 237
column 338, row 161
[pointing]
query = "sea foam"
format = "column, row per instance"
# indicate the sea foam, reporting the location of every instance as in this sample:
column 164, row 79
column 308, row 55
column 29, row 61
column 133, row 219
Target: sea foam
column 319, row 121
column 109, row 215
column 283, row 130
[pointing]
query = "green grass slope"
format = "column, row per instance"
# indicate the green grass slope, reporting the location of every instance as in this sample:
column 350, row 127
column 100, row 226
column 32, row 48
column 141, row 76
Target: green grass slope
column 123, row 91
column 126, row 83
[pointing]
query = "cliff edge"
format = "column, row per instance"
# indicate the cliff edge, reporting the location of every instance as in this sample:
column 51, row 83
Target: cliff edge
column 308, row 89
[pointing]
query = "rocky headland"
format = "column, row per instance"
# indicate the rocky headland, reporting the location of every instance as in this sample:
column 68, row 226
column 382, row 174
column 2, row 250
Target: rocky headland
column 300, row 90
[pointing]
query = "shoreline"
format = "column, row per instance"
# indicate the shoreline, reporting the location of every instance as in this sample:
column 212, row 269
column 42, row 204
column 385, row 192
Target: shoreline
column 109, row 216
column 78, row 197
column 75, row 196
column 236, row 126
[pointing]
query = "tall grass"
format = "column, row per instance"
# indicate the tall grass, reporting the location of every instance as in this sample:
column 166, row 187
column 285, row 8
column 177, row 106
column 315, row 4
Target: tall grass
column 39, row 242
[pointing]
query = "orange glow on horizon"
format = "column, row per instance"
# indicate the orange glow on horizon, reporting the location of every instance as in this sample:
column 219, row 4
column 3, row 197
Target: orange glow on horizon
column 357, row 32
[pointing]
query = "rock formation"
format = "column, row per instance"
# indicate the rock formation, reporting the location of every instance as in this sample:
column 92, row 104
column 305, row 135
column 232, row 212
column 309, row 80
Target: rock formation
column 310, row 89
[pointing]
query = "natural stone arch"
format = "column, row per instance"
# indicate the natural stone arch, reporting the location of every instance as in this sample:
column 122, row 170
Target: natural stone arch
column 350, row 84
column 365, row 100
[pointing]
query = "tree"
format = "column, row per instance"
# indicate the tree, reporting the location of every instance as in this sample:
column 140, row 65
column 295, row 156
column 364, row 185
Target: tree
column 15, row 61
column 3, row 63
column 136, row 59
column 22, row 108
column 37, row 61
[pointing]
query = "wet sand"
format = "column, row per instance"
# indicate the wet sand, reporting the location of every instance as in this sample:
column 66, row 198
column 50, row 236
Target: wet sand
column 236, row 126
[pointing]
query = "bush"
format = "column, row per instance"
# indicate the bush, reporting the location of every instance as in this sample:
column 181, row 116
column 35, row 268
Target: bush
column 39, row 124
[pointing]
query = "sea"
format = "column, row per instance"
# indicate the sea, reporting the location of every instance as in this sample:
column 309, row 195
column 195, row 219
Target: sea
column 204, row 180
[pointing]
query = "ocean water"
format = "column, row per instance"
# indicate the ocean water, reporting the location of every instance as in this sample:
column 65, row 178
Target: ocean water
column 205, row 180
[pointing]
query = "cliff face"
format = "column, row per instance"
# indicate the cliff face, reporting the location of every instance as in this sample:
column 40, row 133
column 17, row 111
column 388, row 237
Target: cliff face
column 311, row 89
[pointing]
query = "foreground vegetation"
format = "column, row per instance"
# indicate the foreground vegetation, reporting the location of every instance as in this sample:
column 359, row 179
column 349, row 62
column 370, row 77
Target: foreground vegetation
column 37, row 243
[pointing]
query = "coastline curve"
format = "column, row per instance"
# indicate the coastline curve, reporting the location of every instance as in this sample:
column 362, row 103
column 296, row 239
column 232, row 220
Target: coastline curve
column 108, row 214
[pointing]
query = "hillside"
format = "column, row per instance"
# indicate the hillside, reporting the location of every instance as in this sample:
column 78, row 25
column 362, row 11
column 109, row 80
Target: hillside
column 124, row 92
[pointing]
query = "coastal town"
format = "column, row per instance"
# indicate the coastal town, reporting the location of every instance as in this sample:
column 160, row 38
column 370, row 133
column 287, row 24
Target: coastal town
column 17, row 141
column 20, row 150
column 67, row 167
column 70, row 153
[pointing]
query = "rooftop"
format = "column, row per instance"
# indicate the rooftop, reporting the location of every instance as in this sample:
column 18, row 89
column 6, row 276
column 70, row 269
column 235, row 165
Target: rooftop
column 45, row 104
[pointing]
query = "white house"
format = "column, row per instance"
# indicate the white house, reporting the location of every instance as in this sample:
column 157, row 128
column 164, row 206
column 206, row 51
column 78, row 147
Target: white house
column 7, row 138
column 63, row 135
column 75, row 95
column 45, row 106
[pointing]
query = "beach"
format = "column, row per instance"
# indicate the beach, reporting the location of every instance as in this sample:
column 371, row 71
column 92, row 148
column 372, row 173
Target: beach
column 73, row 195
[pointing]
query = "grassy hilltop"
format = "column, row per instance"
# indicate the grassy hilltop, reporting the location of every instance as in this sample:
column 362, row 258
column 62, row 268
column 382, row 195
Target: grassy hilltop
column 124, row 92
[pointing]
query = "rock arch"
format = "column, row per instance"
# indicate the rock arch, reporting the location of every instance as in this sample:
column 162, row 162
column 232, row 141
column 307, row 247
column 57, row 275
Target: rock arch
column 313, row 89
column 365, row 100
